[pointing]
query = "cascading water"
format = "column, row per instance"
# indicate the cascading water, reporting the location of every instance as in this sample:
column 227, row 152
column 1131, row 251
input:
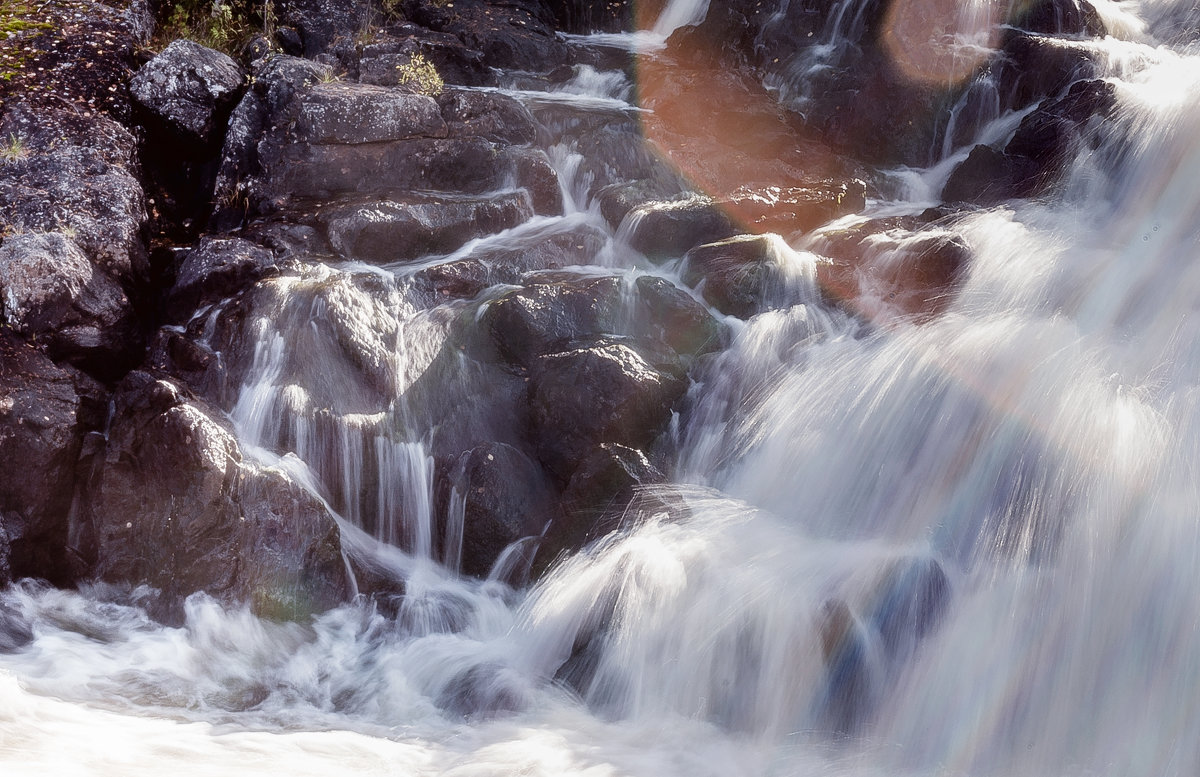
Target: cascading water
column 965, row 546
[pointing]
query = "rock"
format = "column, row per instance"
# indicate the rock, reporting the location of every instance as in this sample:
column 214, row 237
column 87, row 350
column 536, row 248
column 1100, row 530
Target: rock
column 320, row 23
column 789, row 210
column 618, row 200
column 391, row 58
column 79, row 178
column 734, row 275
column 1060, row 17
column 581, row 17
column 602, row 484
column 909, row 602
column 508, row 263
column 1033, row 67
column 49, row 290
column 218, row 268
column 534, row 173
column 174, row 505
column 505, row 497
column 555, row 311
column 358, row 113
column 849, row 688
column 587, row 396
column 1033, row 160
column 43, row 419
column 302, row 172
column 666, row 230
column 189, row 89
column 394, row 231
column 668, row 315
column 516, row 34
column 15, row 630
column 491, row 115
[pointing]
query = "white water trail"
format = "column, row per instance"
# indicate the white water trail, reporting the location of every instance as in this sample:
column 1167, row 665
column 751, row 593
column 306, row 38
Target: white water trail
column 968, row 547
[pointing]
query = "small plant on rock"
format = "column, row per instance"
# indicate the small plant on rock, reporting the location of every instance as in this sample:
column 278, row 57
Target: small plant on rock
column 419, row 75
column 13, row 151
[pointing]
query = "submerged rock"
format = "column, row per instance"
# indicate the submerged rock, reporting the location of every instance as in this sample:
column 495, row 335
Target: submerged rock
column 505, row 497
column 174, row 505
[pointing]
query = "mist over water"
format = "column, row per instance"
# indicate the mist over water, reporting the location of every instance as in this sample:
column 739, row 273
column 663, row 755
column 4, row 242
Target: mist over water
column 967, row 546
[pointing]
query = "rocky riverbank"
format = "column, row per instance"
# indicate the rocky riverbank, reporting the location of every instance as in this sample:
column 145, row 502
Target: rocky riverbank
column 169, row 215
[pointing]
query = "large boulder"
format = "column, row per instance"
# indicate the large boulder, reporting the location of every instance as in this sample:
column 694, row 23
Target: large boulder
column 666, row 230
column 49, row 290
column 602, row 393
column 174, row 504
column 45, row 412
column 188, row 89
column 216, row 268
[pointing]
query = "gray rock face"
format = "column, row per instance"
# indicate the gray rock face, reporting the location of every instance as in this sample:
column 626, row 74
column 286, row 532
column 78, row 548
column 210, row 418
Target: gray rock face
column 41, row 432
column 174, row 505
column 665, row 230
column 75, row 177
column 189, row 88
column 49, row 289
column 734, row 275
column 358, row 113
column 389, row 231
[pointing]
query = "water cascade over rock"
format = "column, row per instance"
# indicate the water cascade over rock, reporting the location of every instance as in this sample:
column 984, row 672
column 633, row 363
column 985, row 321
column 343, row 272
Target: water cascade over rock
column 741, row 387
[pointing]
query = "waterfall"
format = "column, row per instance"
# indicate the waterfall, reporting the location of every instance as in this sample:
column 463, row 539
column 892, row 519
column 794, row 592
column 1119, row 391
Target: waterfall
column 963, row 543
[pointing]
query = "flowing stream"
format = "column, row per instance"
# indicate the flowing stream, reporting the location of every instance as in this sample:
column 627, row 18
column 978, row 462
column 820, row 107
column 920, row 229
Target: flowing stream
column 968, row 546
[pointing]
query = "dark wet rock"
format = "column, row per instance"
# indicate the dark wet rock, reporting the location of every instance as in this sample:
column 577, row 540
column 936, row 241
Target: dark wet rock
column 189, row 89
column 734, row 275
column 555, row 311
column 1032, row 161
column 533, row 172
column 467, row 165
column 617, row 200
column 587, row 396
column 517, row 34
column 788, row 210
column 490, row 115
column 581, row 17
column 174, row 505
column 49, row 290
column 668, row 315
column 319, row 23
column 5, row 568
column 547, row 317
column 617, row 154
column 218, row 268
column 666, row 230
column 43, row 419
column 1061, row 17
column 183, row 98
column 1033, row 67
column 461, row 279
column 505, row 497
column 392, row 231
column 509, row 262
